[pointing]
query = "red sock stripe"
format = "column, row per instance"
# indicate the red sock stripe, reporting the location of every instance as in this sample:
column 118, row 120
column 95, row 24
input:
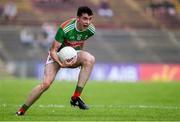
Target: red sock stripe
column 77, row 94
column 22, row 110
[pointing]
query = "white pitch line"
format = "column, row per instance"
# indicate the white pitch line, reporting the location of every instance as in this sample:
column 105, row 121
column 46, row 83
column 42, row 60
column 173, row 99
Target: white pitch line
column 52, row 106
column 102, row 106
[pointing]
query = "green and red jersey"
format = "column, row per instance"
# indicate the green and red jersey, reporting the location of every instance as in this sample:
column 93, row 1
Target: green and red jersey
column 69, row 35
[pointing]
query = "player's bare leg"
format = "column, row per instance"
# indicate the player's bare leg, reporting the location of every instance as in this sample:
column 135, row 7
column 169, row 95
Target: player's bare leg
column 86, row 61
column 49, row 75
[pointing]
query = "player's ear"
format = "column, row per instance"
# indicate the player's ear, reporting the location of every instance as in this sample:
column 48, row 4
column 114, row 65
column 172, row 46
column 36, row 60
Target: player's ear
column 78, row 17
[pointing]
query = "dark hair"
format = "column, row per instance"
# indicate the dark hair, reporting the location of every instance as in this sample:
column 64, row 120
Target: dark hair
column 84, row 9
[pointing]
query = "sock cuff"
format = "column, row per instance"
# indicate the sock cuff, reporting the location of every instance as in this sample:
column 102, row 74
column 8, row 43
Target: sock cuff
column 79, row 89
column 25, row 107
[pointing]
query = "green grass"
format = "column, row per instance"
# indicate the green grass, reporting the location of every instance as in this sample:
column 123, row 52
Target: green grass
column 108, row 101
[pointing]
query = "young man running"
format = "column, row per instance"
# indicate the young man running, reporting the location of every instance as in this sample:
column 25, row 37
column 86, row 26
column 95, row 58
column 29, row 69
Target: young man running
column 72, row 33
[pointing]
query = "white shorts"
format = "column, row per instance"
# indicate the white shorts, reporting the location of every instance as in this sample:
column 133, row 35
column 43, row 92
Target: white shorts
column 49, row 59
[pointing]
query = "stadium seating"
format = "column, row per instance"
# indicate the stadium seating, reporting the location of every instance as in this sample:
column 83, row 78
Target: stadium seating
column 4, row 71
column 164, row 20
column 107, row 45
column 141, row 46
column 23, row 59
column 34, row 13
column 10, row 38
column 127, row 13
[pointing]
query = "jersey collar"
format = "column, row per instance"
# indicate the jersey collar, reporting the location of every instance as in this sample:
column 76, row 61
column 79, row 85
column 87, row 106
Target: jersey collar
column 76, row 27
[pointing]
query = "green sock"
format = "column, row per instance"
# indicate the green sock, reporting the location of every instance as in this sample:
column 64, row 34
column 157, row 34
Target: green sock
column 79, row 89
column 25, row 107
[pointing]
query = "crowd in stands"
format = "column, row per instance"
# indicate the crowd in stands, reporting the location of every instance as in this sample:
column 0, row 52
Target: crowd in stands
column 27, row 37
column 159, row 7
column 42, row 39
column 104, row 9
column 48, row 33
column 9, row 11
column 165, row 12
column 53, row 5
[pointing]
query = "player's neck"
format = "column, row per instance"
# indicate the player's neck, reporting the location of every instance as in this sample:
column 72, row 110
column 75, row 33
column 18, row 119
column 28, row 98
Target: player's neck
column 79, row 27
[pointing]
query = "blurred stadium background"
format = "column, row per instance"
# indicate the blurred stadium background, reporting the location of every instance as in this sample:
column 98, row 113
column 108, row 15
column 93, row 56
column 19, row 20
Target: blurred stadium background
column 137, row 42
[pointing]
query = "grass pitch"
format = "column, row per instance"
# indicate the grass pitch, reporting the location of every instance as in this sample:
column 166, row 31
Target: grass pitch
column 108, row 101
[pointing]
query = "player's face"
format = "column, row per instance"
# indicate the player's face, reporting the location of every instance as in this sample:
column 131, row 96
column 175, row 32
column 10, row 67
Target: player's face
column 84, row 21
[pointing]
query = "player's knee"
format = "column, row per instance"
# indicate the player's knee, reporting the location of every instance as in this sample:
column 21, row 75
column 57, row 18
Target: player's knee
column 90, row 60
column 45, row 86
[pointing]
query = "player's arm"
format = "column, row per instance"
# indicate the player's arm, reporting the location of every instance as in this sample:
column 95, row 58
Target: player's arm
column 56, row 44
column 53, row 52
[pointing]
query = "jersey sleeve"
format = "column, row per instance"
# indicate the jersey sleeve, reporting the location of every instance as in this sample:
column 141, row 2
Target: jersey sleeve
column 60, row 35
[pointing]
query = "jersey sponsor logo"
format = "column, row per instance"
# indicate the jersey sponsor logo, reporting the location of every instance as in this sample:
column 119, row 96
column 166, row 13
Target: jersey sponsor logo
column 86, row 37
column 79, row 36
column 74, row 43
